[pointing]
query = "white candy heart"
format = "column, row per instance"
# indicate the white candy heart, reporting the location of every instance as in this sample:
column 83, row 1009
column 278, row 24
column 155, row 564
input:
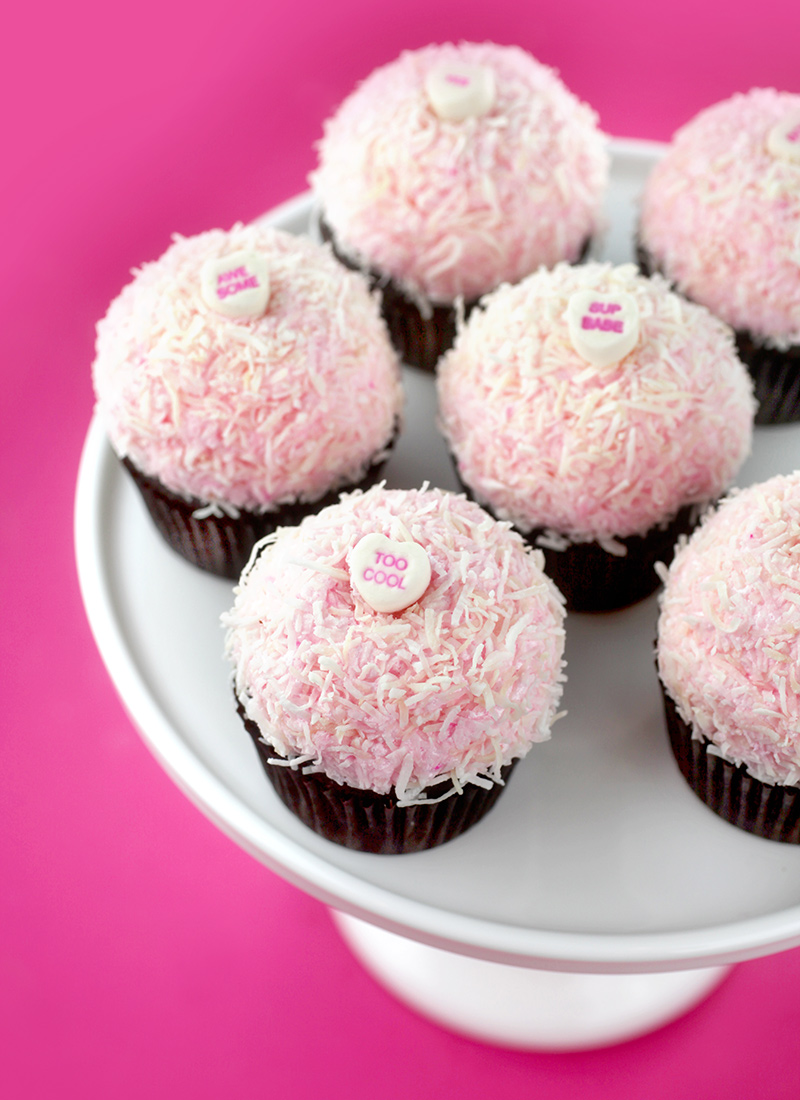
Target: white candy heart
column 603, row 328
column 389, row 575
column 783, row 140
column 236, row 285
column 457, row 91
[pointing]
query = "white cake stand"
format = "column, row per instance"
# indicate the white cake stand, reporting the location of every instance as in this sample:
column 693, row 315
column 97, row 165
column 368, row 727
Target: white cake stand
column 598, row 900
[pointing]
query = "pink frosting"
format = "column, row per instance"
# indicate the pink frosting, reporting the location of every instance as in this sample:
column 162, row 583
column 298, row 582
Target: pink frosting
column 721, row 215
column 454, row 208
column 453, row 687
column 729, row 643
column 248, row 413
column 591, row 452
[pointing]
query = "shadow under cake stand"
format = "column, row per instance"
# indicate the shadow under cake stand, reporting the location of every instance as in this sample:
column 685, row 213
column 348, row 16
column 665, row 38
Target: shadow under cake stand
column 598, row 900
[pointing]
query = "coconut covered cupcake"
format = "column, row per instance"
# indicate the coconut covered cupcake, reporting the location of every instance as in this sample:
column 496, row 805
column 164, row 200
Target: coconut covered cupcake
column 452, row 169
column 394, row 656
column 720, row 217
column 244, row 378
column 599, row 413
column 729, row 658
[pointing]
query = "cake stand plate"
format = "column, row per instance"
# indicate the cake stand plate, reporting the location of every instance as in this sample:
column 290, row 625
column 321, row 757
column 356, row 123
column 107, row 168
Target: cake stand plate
column 521, row 1007
column 597, row 861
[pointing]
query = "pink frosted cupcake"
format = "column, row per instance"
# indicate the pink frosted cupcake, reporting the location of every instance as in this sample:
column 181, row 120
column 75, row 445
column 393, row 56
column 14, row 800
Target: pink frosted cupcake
column 720, row 218
column 729, row 659
column 244, row 378
column 599, row 413
column 394, row 656
column 451, row 170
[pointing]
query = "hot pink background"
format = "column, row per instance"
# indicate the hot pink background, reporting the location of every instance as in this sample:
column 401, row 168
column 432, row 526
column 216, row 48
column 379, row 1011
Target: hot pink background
column 141, row 952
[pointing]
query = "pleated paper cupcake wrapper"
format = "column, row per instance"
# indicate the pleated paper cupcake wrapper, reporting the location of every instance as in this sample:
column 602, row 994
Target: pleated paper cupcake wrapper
column 370, row 822
column 772, row 812
column 216, row 542
column 776, row 379
column 592, row 579
column 419, row 340
column 775, row 374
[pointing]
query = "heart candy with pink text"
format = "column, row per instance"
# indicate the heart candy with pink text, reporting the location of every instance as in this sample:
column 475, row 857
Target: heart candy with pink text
column 457, row 91
column 783, row 140
column 389, row 575
column 236, row 285
column 603, row 328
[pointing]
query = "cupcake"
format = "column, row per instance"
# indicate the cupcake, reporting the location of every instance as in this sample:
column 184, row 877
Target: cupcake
column 729, row 658
column 720, row 217
column 599, row 412
column 394, row 656
column 451, row 170
column 244, row 378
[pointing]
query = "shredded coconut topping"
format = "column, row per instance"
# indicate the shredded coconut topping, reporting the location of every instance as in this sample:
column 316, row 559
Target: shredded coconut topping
column 729, row 630
column 452, row 688
column 248, row 413
column 721, row 216
column 587, row 452
column 455, row 208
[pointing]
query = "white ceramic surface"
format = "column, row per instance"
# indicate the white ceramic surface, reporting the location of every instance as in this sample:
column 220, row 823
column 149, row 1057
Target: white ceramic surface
column 596, row 858
column 521, row 1007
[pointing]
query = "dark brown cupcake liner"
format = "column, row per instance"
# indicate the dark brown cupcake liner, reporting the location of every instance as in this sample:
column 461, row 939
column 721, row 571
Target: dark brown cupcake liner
column 218, row 543
column 370, row 822
column 776, row 379
column 772, row 812
column 644, row 259
column 775, row 374
column 591, row 579
column 420, row 341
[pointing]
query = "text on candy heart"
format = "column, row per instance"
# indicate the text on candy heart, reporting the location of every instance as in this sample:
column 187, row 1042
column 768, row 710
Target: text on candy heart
column 227, row 286
column 607, row 324
column 383, row 576
column 389, row 575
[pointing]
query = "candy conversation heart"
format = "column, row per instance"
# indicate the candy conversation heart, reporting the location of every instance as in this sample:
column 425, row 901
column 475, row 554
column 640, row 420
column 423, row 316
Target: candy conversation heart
column 783, row 140
column 389, row 575
column 236, row 285
column 458, row 90
column 603, row 328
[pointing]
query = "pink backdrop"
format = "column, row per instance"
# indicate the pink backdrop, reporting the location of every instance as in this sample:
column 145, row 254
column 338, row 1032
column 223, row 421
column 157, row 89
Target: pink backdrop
column 141, row 952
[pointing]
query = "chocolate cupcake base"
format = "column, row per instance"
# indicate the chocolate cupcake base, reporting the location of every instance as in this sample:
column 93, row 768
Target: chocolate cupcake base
column 775, row 374
column 772, row 812
column 776, row 379
column 370, row 822
column 420, row 341
column 214, row 541
column 590, row 578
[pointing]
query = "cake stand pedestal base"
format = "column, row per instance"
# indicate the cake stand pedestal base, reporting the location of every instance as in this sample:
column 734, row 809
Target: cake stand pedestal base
column 519, row 1007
